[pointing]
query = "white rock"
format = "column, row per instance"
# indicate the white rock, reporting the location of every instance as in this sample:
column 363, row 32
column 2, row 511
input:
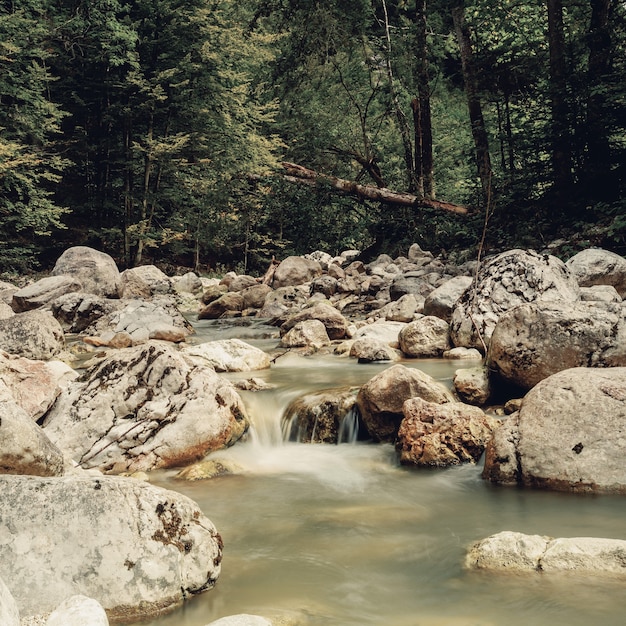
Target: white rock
column 78, row 611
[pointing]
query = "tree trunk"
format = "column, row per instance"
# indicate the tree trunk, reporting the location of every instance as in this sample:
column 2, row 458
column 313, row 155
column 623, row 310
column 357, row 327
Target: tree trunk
column 479, row 132
column 421, row 110
column 298, row 174
column 561, row 137
column 403, row 125
column 598, row 163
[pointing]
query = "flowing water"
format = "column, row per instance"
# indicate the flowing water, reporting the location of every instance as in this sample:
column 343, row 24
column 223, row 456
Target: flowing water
column 341, row 535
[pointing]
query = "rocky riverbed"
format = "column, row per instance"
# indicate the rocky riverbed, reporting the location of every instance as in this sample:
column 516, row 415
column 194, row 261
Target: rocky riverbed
column 102, row 382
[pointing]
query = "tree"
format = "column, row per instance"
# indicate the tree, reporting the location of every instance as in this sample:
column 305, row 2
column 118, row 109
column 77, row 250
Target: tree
column 29, row 121
column 477, row 122
column 561, row 116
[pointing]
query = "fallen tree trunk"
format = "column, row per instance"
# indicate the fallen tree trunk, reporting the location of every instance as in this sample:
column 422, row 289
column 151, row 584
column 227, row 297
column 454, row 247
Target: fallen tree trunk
column 302, row 175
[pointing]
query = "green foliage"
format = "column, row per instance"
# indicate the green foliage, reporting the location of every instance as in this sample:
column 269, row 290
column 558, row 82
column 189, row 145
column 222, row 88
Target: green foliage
column 161, row 123
column 29, row 166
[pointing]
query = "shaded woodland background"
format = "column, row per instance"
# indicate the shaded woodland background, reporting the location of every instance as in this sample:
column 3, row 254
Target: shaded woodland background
column 155, row 129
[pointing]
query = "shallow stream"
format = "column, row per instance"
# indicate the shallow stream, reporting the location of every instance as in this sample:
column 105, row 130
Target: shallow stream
column 341, row 535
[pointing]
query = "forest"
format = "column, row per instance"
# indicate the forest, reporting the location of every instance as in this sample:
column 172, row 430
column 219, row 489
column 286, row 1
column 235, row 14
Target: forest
column 218, row 134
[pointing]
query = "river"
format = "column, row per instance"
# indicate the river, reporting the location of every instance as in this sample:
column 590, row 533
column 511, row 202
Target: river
column 342, row 535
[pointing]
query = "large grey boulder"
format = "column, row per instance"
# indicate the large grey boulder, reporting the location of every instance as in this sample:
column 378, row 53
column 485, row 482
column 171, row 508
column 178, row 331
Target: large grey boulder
column 34, row 385
column 517, row 552
column 9, row 612
column 144, row 408
column 229, row 355
column 135, row 548
column 533, row 341
column 306, row 334
column 369, row 350
column 440, row 435
column 254, row 296
column 595, row 266
column 229, row 303
column 43, row 291
column 24, row 447
column 381, row 399
column 504, row 282
column 442, row 300
column 296, row 270
column 78, row 311
column 95, row 270
column 144, row 282
column 279, row 303
column 567, row 436
column 335, row 323
column 382, row 330
column 33, row 334
column 158, row 318
column 426, row 337
column 78, row 610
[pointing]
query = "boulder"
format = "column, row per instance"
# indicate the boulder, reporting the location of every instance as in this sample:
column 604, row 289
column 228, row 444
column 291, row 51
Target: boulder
column 96, row 271
column 503, row 282
column 42, row 292
column 567, row 436
column 254, row 296
column 405, row 309
column 144, row 408
column 280, row 302
column 144, row 282
column 382, row 330
column 306, row 334
column 24, row 447
column 158, row 318
column 441, row 301
column 426, row 337
column 9, row 612
column 440, row 435
column 472, row 385
column 34, row 385
column 78, row 610
column 135, row 548
column 213, row 292
column 381, row 399
column 462, row 353
column 416, row 254
column 595, row 266
column 533, row 341
column 512, row 551
column 368, row 350
column 34, row 335
column 78, row 311
column 241, row 282
column 335, row 323
column 189, row 282
column 318, row 417
column 229, row 355
column 326, row 285
column 296, row 270
column 410, row 282
column 229, row 303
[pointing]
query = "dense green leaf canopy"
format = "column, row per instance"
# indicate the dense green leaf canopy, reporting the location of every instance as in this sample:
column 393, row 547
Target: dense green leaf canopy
column 154, row 129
